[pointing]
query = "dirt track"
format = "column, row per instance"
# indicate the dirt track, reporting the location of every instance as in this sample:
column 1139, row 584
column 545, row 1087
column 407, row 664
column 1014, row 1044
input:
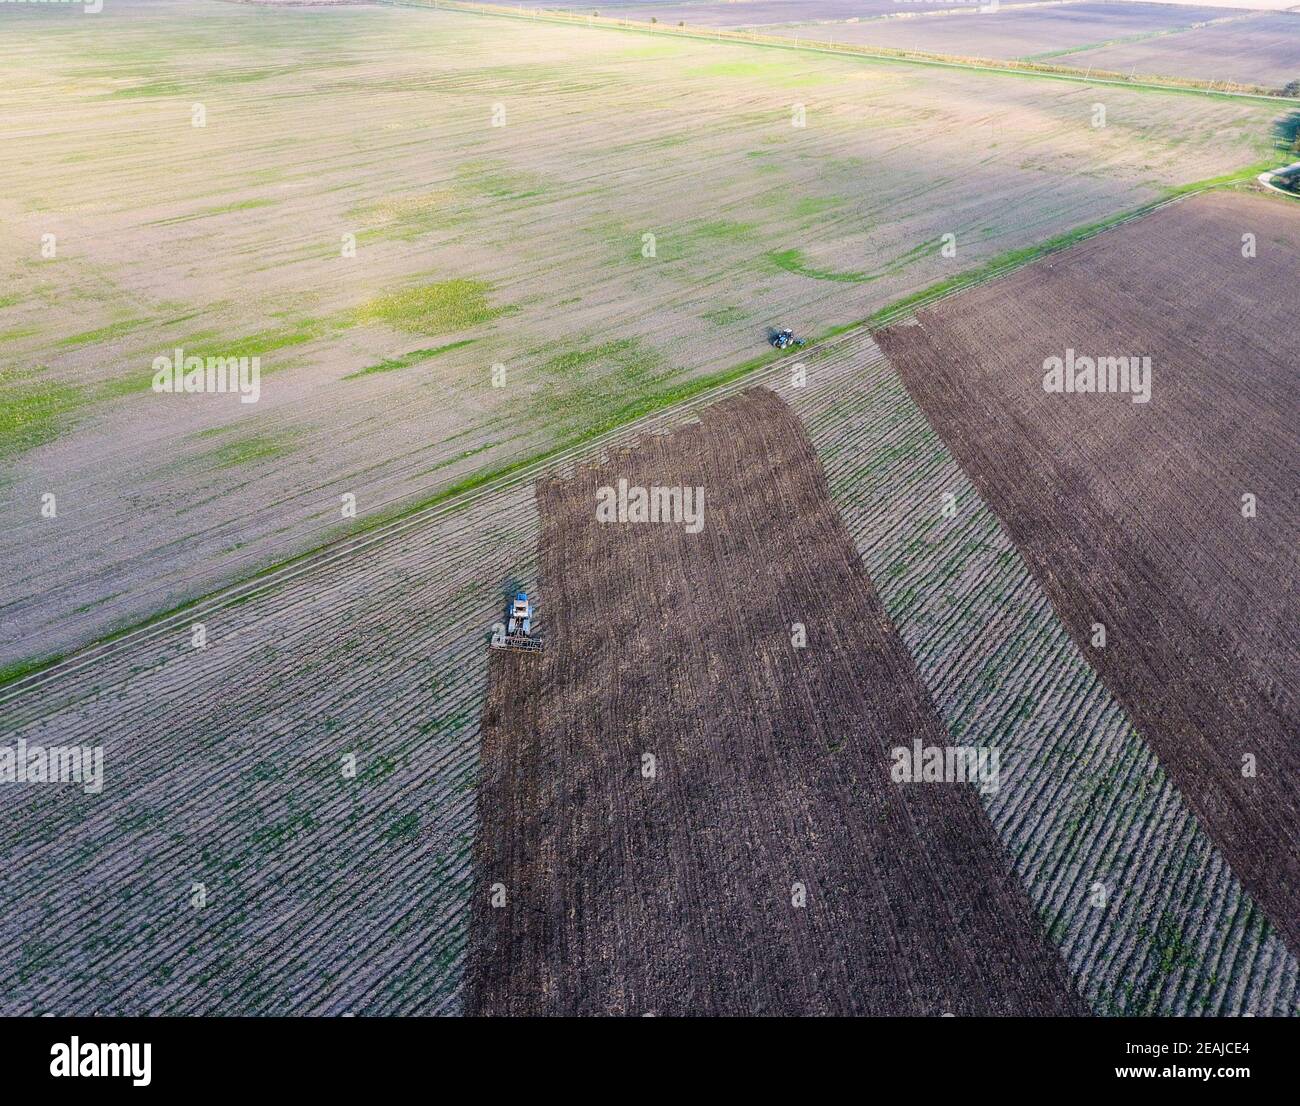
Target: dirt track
column 673, row 895
column 1130, row 514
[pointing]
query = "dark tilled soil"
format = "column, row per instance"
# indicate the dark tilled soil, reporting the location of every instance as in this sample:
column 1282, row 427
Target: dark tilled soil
column 674, row 895
column 1130, row 514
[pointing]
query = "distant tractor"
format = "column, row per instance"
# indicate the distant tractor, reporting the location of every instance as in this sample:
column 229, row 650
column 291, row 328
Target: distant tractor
column 784, row 338
column 519, row 626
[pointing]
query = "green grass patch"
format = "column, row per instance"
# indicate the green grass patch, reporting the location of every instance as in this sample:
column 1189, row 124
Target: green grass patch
column 259, row 344
column 723, row 230
column 208, row 212
column 391, row 364
column 101, row 334
column 147, row 89
column 785, row 72
column 570, row 363
column 213, row 431
column 792, row 261
column 498, row 181
column 927, row 247
column 583, row 385
column 1237, row 177
column 438, row 308
column 814, row 205
column 19, row 669
column 33, row 411
column 134, row 384
column 190, row 86
column 404, row 828
column 246, row 451
column 206, row 344
column 679, row 244
column 409, row 217
column 729, row 69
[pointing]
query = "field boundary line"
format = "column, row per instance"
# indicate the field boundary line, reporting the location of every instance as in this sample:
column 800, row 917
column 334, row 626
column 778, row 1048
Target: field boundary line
column 33, row 675
column 878, row 53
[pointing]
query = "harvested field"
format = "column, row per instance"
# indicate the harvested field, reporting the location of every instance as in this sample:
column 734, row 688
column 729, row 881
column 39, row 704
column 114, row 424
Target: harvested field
column 1018, row 32
column 477, row 246
column 1131, row 514
column 674, row 895
column 1264, row 49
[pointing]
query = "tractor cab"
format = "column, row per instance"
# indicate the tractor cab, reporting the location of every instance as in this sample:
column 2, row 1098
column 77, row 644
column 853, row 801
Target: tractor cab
column 521, row 615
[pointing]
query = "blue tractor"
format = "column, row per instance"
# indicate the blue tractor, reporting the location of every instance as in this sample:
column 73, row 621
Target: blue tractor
column 521, row 615
column 518, row 630
column 784, row 338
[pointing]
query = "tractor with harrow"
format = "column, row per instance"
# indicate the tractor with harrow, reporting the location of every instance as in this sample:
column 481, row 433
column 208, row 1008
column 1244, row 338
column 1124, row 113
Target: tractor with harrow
column 784, row 338
column 517, row 631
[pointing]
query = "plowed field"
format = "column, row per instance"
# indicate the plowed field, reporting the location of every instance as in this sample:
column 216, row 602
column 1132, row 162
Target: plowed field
column 1131, row 515
column 676, row 894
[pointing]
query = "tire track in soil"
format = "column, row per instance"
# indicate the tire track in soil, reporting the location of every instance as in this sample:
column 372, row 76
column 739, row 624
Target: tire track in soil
column 673, row 895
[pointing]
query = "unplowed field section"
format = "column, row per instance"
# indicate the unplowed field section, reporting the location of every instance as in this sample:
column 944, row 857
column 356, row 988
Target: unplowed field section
column 1015, row 32
column 1130, row 515
column 518, row 245
column 675, row 894
column 1263, row 49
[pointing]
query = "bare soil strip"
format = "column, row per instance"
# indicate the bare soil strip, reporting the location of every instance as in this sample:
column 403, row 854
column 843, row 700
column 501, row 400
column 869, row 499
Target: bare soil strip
column 1130, row 514
column 674, row 895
